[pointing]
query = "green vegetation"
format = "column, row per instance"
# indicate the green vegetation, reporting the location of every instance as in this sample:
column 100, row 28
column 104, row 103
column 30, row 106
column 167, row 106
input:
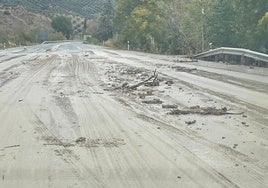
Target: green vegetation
column 189, row 26
column 105, row 30
column 63, row 25
column 238, row 24
column 140, row 24
column 164, row 26
column 29, row 37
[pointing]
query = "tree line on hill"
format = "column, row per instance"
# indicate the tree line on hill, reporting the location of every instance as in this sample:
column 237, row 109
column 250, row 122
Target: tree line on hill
column 186, row 26
column 172, row 26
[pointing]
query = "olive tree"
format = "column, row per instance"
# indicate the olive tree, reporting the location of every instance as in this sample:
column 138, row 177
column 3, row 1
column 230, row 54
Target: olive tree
column 63, row 25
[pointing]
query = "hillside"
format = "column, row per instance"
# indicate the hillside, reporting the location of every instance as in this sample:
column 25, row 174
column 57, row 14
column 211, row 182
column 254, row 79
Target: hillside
column 84, row 8
column 30, row 19
column 17, row 21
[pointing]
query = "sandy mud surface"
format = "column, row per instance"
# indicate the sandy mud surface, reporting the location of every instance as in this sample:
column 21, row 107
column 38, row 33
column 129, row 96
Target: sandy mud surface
column 74, row 115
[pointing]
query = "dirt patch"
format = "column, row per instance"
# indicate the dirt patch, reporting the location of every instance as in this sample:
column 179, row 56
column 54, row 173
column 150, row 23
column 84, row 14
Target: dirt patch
column 108, row 143
column 98, row 142
column 203, row 111
column 85, row 142
column 54, row 141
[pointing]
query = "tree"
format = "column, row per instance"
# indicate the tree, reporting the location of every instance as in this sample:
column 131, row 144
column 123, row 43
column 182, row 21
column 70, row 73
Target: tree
column 105, row 30
column 140, row 23
column 188, row 26
column 186, row 20
column 122, row 13
column 63, row 25
column 263, row 33
column 238, row 24
column 221, row 24
column 248, row 14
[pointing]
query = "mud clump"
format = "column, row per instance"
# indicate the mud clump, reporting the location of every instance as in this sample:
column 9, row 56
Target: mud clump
column 190, row 122
column 80, row 140
column 84, row 142
column 169, row 82
column 169, row 106
column 154, row 101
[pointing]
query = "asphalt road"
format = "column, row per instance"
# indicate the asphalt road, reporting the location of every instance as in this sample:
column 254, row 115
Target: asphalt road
column 68, row 121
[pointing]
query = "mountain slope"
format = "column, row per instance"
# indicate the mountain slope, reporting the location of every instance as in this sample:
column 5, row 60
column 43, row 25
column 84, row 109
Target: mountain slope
column 83, row 8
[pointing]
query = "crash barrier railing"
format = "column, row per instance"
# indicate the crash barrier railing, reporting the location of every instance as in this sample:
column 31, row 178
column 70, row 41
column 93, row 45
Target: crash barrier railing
column 243, row 53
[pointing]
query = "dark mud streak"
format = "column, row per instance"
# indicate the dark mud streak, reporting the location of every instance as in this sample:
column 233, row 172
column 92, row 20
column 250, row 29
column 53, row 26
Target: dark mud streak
column 65, row 105
column 256, row 86
column 62, row 151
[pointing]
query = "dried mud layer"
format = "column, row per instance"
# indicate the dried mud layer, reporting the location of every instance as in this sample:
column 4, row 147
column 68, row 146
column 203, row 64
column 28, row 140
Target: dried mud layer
column 75, row 115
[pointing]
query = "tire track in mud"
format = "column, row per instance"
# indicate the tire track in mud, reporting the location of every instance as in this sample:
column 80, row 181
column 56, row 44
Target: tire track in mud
column 71, row 70
column 113, row 156
column 192, row 159
column 138, row 157
column 99, row 130
column 22, row 88
column 78, row 71
column 17, row 91
column 69, row 157
column 89, row 78
column 61, row 87
column 28, row 79
column 105, row 114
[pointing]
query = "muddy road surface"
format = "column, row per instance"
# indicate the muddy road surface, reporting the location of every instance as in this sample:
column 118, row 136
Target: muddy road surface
column 75, row 115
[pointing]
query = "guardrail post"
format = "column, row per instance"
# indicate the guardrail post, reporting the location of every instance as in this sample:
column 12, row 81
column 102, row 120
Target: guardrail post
column 242, row 59
column 224, row 57
column 216, row 58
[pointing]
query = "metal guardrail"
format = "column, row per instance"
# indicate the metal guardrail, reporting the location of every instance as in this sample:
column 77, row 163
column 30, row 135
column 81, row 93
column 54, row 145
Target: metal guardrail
column 234, row 51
